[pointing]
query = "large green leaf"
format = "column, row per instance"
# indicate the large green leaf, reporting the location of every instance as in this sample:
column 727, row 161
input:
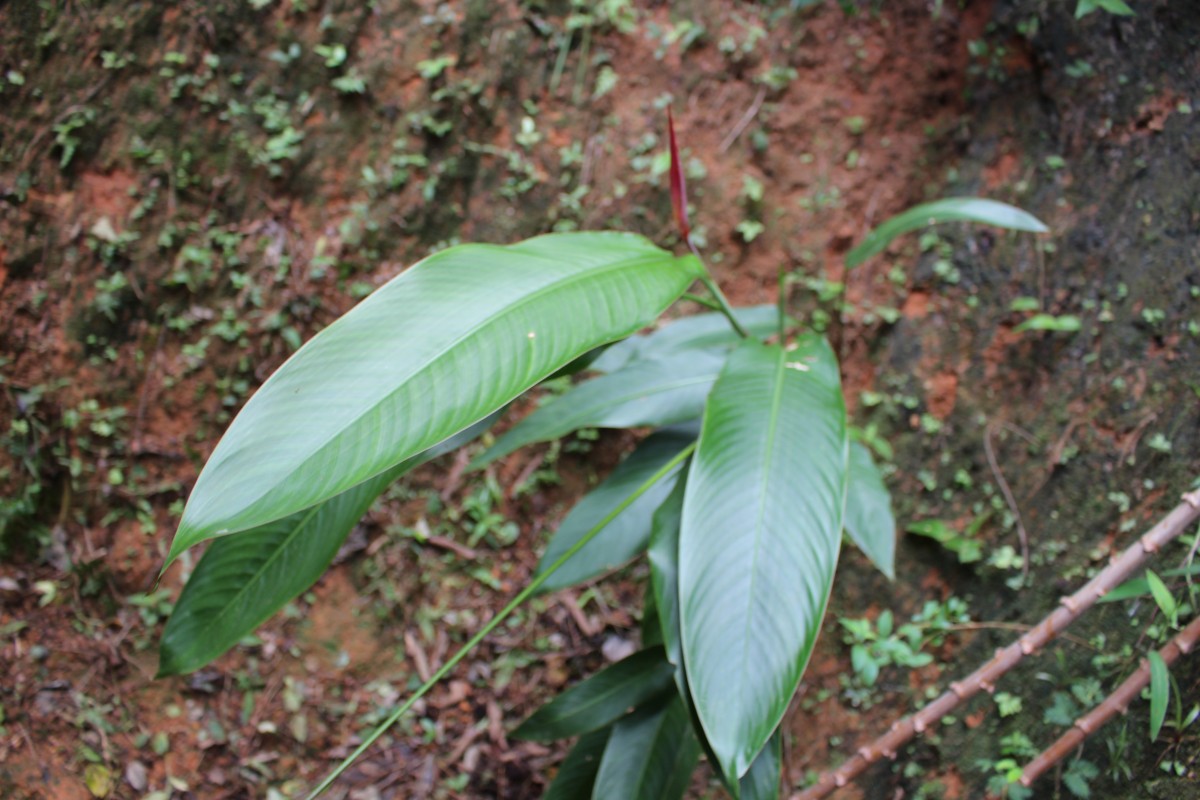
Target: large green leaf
column 627, row 534
column 435, row 349
column 606, row 696
column 242, row 580
column 952, row 209
column 697, row 332
column 762, row 522
column 650, row 755
column 652, row 392
column 577, row 774
column 869, row 519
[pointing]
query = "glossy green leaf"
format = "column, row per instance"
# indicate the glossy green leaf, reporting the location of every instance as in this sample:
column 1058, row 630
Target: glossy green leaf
column 1067, row 323
column 762, row 780
column 606, row 696
column 577, row 774
column 1117, row 7
column 664, row 569
column 435, row 349
column 1162, row 597
column 1140, row 587
column 697, row 332
column 650, row 627
column 869, row 519
column 652, row 392
column 650, row 755
column 626, row 536
column 952, row 209
column 762, row 523
column 242, row 580
column 1160, row 692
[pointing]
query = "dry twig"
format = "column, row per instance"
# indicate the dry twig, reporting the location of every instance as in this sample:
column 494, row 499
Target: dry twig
column 1022, row 534
column 742, row 123
column 984, row 678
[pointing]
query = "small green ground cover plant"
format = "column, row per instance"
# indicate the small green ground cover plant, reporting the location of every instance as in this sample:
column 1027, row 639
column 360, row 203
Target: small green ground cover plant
column 740, row 498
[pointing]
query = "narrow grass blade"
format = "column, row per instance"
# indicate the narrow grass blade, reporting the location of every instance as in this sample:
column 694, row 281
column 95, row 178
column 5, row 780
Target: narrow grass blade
column 1160, row 692
column 953, row 209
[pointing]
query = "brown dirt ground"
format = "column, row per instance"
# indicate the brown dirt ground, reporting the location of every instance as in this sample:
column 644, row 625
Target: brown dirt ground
column 140, row 379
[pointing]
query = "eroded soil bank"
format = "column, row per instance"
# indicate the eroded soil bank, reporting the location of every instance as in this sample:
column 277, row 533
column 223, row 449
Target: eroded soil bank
column 188, row 193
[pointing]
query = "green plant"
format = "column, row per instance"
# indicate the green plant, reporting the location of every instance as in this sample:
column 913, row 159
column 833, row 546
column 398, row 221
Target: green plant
column 740, row 498
column 1116, row 7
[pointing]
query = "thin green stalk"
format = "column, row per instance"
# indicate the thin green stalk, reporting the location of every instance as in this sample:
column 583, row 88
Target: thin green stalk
column 563, row 48
column 718, row 295
column 707, row 302
column 782, row 303
column 516, row 602
column 581, row 70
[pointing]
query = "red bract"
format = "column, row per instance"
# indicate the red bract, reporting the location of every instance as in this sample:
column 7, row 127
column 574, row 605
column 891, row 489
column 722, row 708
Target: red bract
column 678, row 183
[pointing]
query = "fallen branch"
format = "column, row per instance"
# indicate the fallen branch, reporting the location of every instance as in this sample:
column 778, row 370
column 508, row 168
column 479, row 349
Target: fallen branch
column 1116, row 703
column 984, row 678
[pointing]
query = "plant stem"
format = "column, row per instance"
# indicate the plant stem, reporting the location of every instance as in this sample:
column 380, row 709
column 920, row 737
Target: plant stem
column 984, row 678
column 707, row 302
column 782, row 303
column 516, row 602
column 718, row 295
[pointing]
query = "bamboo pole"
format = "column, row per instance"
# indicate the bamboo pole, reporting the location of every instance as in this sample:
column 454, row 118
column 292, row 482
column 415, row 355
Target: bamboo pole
column 984, row 678
column 1116, row 703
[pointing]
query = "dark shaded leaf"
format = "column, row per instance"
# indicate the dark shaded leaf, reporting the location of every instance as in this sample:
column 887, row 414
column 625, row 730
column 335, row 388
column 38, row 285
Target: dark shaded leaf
column 761, row 782
column 577, row 773
column 650, row 755
column 664, row 570
column 627, row 534
column 242, row 580
column 606, row 696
